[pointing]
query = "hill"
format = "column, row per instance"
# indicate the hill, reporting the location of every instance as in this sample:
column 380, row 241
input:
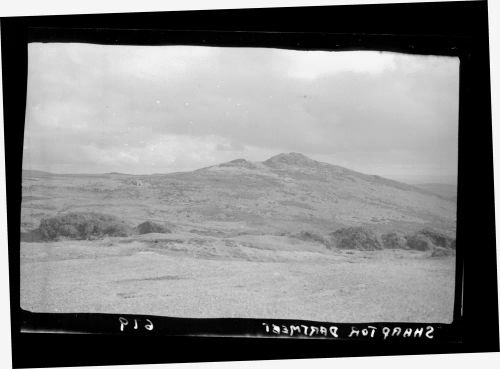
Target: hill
column 286, row 193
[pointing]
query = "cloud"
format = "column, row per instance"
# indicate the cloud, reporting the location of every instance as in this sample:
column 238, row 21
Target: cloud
column 311, row 65
column 95, row 108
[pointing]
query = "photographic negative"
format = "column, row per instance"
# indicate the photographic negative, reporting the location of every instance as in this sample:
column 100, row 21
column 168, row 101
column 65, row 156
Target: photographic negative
column 274, row 188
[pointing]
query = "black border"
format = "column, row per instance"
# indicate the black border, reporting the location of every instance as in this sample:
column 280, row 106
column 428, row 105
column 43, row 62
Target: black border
column 449, row 28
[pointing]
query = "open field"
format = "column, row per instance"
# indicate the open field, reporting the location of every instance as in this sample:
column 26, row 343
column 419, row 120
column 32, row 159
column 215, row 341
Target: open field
column 173, row 276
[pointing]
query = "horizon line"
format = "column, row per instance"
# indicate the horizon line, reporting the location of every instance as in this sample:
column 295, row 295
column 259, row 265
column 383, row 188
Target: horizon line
column 454, row 183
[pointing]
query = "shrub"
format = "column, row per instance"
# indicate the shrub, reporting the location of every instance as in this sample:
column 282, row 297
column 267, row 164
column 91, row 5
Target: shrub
column 69, row 230
column 419, row 242
column 437, row 238
column 394, row 240
column 357, row 238
column 83, row 225
column 150, row 227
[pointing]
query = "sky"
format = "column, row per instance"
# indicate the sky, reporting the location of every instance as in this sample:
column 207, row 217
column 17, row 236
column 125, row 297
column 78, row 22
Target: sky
column 160, row 109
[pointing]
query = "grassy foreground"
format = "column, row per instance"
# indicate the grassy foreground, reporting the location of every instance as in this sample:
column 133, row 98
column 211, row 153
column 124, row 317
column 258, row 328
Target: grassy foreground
column 251, row 276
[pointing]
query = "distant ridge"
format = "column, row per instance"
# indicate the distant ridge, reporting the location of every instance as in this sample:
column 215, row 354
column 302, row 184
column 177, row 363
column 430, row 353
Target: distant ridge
column 292, row 161
column 444, row 190
column 36, row 173
column 41, row 173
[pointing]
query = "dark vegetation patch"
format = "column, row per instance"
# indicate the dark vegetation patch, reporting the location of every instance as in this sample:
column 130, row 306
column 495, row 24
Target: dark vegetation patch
column 88, row 226
column 361, row 238
column 438, row 238
column 91, row 226
column 83, row 226
column 419, row 242
column 394, row 240
column 355, row 238
column 159, row 278
column 311, row 236
column 163, row 242
column 151, row 227
column 429, row 239
column 441, row 251
column 423, row 240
